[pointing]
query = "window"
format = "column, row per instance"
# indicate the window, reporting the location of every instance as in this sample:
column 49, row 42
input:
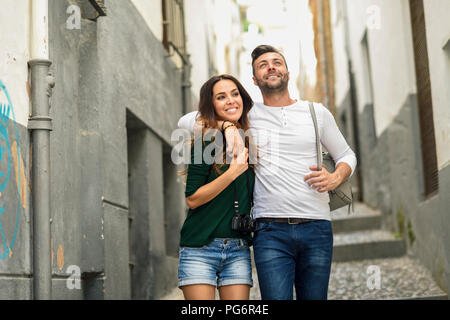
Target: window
column 99, row 6
column 425, row 103
column 174, row 39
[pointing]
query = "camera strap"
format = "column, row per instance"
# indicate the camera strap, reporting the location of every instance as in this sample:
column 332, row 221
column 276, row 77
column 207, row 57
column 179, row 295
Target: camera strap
column 250, row 192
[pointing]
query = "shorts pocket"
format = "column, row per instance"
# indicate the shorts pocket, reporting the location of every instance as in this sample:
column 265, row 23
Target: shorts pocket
column 243, row 246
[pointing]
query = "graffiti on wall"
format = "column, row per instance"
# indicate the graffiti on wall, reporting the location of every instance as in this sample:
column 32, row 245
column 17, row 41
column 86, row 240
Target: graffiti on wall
column 12, row 186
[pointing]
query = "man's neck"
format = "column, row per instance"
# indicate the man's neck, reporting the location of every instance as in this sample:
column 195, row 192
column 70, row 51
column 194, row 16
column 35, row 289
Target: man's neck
column 281, row 99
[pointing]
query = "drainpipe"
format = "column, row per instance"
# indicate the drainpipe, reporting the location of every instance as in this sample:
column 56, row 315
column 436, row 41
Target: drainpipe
column 40, row 125
column 186, row 86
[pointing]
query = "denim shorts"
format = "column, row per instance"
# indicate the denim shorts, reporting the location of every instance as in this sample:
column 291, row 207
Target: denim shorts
column 220, row 263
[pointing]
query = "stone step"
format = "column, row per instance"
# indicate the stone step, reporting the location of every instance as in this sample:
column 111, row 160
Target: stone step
column 394, row 279
column 363, row 218
column 369, row 244
column 356, row 223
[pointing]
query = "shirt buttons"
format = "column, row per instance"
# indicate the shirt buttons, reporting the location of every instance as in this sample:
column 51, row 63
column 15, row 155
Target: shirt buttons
column 283, row 116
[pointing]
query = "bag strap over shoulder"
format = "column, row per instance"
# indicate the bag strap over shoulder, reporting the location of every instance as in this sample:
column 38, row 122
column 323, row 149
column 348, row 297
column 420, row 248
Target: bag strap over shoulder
column 342, row 195
column 316, row 129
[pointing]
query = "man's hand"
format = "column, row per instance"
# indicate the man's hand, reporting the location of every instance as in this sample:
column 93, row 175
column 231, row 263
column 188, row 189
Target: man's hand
column 323, row 180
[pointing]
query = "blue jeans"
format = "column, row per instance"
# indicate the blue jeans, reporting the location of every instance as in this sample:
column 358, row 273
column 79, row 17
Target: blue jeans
column 293, row 254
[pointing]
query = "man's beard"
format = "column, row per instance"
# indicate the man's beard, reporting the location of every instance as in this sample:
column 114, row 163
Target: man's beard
column 269, row 88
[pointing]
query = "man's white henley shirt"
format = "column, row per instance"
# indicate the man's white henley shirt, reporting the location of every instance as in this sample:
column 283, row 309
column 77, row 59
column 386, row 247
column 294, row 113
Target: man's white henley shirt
column 286, row 149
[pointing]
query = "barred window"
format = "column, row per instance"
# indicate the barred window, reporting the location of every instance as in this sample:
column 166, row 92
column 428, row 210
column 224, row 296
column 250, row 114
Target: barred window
column 174, row 39
column 99, row 6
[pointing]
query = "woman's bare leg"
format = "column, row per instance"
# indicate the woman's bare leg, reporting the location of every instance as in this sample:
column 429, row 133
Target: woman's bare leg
column 199, row 292
column 235, row 292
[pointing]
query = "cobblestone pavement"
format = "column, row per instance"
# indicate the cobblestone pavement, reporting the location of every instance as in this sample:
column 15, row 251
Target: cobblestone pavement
column 394, row 278
column 399, row 278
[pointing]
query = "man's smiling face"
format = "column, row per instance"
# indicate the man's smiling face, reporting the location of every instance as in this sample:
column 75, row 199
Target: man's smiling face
column 270, row 72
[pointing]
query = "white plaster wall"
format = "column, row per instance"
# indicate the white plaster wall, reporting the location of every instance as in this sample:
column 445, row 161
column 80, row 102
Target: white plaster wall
column 392, row 59
column 390, row 49
column 235, row 45
column 151, row 11
column 438, row 34
column 225, row 22
column 199, row 40
column 341, row 78
column 199, row 34
column 281, row 29
column 223, row 31
column 357, row 24
column 392, row 62
column 14, row 55
column 211, row 27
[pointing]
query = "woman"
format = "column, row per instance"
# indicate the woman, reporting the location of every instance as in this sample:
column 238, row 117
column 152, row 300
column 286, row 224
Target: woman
column 212, row 254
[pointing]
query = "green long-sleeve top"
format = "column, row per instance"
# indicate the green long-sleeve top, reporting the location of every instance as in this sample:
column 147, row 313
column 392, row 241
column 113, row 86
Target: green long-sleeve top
column 213, row 219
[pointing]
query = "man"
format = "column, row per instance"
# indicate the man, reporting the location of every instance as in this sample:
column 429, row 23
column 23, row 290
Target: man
column 294, row 240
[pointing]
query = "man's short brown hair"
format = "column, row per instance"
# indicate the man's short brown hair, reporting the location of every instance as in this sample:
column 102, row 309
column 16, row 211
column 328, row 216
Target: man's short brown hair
column 262, row 49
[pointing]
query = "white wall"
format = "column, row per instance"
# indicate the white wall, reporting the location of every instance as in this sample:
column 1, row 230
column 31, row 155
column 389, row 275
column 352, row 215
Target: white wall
column 211, row 27
column 151, row 11
column 392, row 60
column 341, row 78
column 391, row 56
column 438, row 34
column 199, row 31
column 199, row 41
column 223, row 31
column 14, row 55
column 281, row 29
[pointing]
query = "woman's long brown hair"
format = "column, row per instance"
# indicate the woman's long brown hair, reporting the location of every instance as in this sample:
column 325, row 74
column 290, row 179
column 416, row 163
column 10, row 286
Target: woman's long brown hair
column 206, row 104
column 209, row 116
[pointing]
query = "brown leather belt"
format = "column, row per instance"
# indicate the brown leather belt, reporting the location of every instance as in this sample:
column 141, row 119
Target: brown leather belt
column 286, row 220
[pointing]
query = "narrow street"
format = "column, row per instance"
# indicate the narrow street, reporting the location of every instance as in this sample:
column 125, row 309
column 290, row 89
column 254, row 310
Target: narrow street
column 369, row 263
column 94, row 163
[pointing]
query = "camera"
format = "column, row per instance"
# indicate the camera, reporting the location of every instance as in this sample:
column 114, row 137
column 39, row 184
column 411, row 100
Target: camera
column 243, row 223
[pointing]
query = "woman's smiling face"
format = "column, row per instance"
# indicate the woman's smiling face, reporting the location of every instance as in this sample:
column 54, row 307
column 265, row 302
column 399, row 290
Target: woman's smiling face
column 227, row 101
